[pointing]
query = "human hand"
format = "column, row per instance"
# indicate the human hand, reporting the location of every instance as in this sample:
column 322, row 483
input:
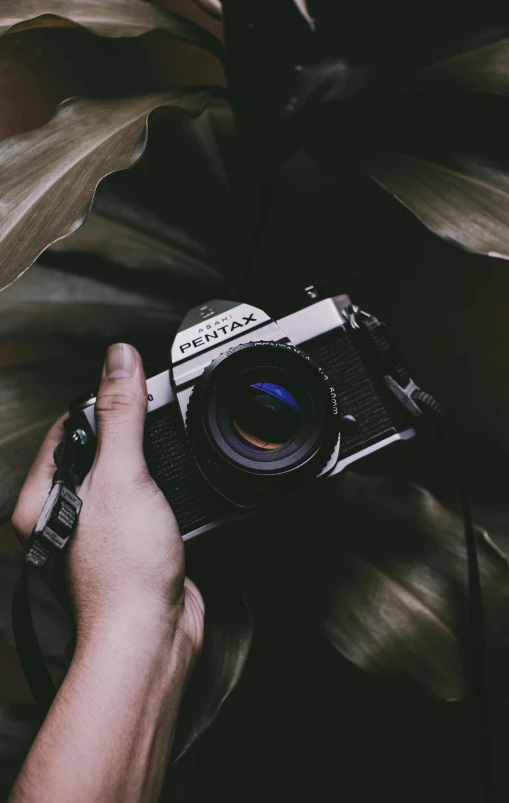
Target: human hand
column 125, row 562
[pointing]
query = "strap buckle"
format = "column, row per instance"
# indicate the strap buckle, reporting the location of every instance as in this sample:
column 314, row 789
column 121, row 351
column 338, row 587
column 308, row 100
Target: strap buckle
column 404, row 395
column 58, row 516
column 386, row 355
column 351, row 312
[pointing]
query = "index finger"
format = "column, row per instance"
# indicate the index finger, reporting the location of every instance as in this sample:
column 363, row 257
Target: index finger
column 37, row 485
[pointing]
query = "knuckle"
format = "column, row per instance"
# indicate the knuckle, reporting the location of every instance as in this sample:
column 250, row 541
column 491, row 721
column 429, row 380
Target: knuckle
column 114, row 405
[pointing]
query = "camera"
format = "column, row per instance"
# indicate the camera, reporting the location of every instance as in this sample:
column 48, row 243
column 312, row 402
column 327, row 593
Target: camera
column 252, row 407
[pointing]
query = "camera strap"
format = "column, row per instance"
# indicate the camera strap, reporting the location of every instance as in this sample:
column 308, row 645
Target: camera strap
column 49, row 537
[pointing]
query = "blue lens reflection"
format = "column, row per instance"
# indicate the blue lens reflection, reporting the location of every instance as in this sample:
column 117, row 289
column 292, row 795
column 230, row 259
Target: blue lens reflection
column 278, row 392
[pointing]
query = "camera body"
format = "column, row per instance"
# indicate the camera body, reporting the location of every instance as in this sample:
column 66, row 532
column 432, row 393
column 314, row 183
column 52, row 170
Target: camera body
column 252, row 407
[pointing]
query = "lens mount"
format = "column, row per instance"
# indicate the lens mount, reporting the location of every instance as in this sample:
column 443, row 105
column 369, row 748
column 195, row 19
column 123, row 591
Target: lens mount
column 261, row 418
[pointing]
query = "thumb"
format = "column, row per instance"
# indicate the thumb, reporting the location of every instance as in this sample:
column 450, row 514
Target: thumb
column 120, row 410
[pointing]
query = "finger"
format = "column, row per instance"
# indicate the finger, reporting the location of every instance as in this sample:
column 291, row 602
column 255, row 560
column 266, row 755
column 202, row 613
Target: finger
column 38, row 483
column 120, row 411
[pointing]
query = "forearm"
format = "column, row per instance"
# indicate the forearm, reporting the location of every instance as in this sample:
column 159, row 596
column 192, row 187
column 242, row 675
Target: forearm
column 109, row 732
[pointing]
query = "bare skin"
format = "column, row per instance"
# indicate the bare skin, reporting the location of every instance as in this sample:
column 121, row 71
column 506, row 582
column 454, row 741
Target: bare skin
column 139, row 620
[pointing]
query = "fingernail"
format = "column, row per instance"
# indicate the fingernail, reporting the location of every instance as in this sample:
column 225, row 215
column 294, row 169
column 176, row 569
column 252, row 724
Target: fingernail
column 119, row 361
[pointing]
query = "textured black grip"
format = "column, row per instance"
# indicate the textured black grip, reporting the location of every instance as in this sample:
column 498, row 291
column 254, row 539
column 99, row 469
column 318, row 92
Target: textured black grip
column 171, row 464
column 361, row 394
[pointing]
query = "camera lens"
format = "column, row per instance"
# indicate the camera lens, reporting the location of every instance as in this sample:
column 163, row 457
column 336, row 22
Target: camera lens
column 260, row 419
column 264, row 416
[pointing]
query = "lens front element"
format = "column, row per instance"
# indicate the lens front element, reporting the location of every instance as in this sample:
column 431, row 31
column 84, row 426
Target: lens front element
column 261, row 418
column 264, row 416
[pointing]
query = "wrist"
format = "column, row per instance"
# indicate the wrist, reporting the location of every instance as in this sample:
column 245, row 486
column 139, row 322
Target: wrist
column 133, row 630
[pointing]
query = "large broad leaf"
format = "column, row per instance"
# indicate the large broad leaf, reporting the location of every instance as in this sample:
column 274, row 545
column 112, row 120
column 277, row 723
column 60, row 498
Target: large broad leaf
column 304, row 10
column 130, row 235
column 49, row 302
column 105, row 17
column 48, row 177
column 450, row 166
column 473, row 58
column 212, row 7
column 228, row 634
column 136, row 239
column 452, row 174
column 395, row 121
column 180, row 215
column 380, row 567
column 466, row 203
column 482, row 67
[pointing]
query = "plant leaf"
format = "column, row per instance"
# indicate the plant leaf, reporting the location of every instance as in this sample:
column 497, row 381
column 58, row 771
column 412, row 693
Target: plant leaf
column 180, row 215
column 107, row 234
column 479, row 68
column 379, row 566
column 112, row 18
column 228, row 634
column 50, row 302
column 48, row 176
column 303, row 8
column 469, row 205
column 163, row 252
column 212, row 7
column 474, row 60
column 448, row 167
column 453, row 175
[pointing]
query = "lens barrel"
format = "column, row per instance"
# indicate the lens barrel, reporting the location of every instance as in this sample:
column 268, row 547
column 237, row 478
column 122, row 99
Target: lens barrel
column 262, row 418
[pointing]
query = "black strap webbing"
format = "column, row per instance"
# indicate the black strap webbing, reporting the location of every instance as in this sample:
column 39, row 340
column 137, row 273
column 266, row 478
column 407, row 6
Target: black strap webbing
column 51, row 534
column 27, row 644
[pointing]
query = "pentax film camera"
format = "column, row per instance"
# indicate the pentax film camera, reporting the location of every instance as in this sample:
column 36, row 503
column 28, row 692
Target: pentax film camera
column 252, row 407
